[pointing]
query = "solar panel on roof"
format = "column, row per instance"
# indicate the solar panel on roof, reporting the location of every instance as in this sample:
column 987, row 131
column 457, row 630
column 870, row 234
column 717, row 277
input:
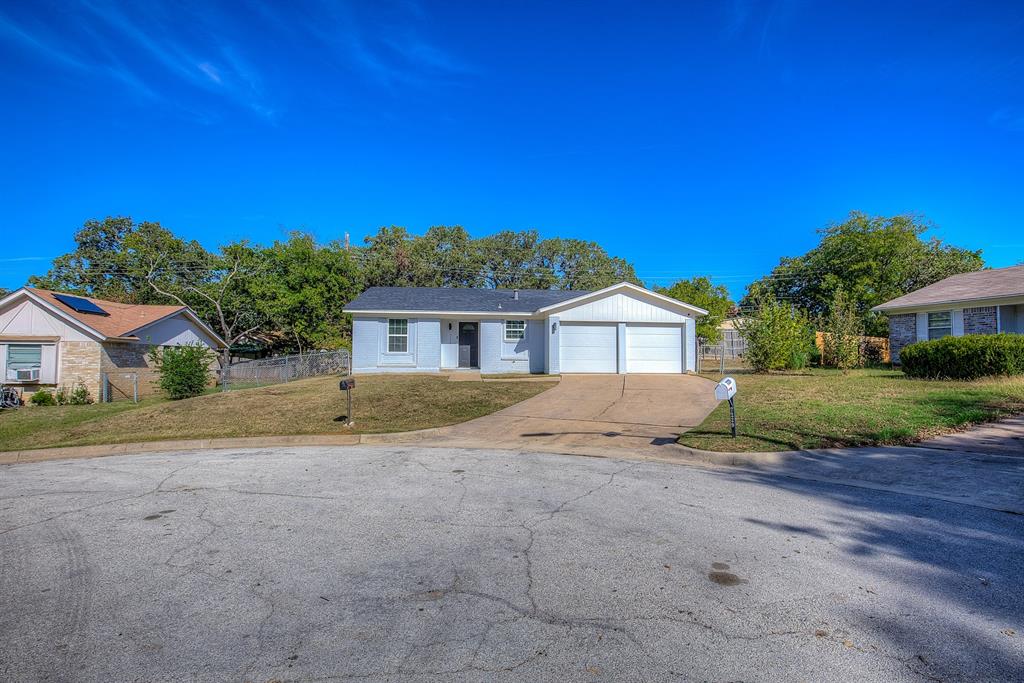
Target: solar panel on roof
column 79, row 304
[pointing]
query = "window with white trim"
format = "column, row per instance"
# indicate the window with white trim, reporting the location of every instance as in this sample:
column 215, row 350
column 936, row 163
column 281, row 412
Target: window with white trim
column 940, row 324
column 24, row 362
column 515, row 330
column 398, row 335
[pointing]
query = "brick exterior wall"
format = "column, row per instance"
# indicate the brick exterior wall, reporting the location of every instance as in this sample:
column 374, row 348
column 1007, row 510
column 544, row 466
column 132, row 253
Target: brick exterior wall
column 902, row 331
column 80, row 364
column 121, row 360
column 982, row 320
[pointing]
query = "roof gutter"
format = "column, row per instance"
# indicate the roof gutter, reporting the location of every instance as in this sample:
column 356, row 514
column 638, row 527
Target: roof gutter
column 940, row 305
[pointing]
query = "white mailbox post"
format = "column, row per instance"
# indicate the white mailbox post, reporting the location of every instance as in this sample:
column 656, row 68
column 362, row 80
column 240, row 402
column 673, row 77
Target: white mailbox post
column 724, row 391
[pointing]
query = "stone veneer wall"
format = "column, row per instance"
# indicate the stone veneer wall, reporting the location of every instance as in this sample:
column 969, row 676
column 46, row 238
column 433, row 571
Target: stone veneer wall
column 125, row 358
column 902, row 331
column 982, row 320
column 80, row 364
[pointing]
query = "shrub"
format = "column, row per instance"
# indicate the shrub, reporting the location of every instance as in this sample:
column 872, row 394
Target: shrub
column 843, row 329
column 968, row 357
column 778, row 337
column 79, row 396
column 42, row 398
column 184, row 370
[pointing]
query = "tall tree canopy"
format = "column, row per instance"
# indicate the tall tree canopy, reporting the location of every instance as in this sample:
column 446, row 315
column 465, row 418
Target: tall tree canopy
column 114, row 259
column 295, row 290
column 700, row 291
column 303, row 290
column 872, row 258
column 446, row 256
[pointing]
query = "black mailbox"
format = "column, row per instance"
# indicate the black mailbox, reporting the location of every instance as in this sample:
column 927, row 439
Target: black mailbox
column 346, row 384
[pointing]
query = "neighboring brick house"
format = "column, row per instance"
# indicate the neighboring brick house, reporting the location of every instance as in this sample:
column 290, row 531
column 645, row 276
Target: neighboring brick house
column 49, row 340
column 983, row 302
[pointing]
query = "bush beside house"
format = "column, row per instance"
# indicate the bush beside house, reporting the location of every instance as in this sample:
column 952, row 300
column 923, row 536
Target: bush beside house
column 968, row 357
column 184, row 370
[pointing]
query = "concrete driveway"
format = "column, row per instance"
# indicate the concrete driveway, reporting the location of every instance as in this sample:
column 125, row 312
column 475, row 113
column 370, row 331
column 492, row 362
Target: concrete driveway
column 409, row 564
column 617, row 412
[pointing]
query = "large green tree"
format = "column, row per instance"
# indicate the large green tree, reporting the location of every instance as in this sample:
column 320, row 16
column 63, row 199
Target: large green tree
column 114, row 259
column 872, row 258
column 304, row 289
column 579, row 264
column 390, row 259
column 700, row 291
column 511, row 259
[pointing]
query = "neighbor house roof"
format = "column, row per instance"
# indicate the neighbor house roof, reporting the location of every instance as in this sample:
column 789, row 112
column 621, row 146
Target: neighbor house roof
column 458, row 299
column 981, row 285
column 120, row 321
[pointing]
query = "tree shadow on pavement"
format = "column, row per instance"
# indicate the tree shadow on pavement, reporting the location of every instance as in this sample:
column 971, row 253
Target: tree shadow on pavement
column 966, row 558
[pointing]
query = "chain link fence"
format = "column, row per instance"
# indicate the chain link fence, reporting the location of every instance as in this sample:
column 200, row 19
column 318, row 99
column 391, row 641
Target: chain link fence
column 723, row 357
column 264, row 371
column 120, row 386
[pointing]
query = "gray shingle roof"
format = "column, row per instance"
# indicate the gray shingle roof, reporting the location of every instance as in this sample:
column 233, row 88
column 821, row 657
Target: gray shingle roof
column 994, row 283
column 436, row 299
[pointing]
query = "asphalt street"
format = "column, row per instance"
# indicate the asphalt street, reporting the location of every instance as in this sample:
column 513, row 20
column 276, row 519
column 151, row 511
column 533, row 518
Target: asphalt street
column 415, row 564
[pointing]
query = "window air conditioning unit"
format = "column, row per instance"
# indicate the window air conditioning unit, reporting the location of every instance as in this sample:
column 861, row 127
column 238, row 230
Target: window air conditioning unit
column 27, row 375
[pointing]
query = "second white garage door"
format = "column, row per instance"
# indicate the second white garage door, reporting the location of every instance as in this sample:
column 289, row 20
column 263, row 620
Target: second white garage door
column 655, row 349
column 588, row 348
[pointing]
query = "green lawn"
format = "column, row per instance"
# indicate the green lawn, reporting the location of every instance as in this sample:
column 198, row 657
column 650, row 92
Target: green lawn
column 314, row 406
column 824, row 408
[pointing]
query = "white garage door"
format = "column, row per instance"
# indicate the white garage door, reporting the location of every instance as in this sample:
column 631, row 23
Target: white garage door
column 588, row 348
column 656, row 349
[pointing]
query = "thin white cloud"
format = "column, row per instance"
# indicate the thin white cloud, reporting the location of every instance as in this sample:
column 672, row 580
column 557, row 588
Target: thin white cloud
column 156, row 48
column 211, row 72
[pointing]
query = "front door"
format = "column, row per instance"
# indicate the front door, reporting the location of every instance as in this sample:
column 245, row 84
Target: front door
column 468, row 346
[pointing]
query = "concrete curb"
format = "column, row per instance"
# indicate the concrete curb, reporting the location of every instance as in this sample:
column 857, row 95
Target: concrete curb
column 71, row 452
column 667, row 453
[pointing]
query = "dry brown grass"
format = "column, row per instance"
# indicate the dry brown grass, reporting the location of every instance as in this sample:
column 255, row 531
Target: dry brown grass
column 381, row 404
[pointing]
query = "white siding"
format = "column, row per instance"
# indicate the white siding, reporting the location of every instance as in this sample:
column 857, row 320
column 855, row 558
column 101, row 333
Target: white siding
column 31, row 319
column 691, row 346
column 552, row 355
column 174, row 331
column 588, row 348
column 622, row 307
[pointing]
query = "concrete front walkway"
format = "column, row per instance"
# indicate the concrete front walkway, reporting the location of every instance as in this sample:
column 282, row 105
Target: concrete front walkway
column 617, row 412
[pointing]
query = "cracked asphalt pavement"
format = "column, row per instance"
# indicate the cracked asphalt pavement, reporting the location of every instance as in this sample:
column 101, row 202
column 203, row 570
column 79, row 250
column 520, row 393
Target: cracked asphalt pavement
column 410, row 564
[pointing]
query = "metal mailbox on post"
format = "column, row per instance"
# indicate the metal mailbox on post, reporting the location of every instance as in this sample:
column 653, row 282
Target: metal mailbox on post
column 347, row 384
column 725, row 391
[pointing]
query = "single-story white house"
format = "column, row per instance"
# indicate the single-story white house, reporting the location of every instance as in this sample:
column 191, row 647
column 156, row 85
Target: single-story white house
column 52, row 339
column 620, row 329
column 983, row 302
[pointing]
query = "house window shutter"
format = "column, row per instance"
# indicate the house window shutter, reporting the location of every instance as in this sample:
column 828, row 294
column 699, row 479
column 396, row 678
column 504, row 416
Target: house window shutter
column 48, row 371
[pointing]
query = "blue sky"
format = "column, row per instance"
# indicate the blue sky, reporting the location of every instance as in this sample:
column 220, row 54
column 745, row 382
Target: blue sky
column 689, row 138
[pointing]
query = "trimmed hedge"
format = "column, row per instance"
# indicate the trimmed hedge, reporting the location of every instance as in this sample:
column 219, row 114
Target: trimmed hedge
column 968, row 357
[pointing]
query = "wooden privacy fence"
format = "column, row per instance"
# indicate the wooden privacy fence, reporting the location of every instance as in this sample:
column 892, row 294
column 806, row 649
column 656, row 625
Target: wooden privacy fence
column 872, row 349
